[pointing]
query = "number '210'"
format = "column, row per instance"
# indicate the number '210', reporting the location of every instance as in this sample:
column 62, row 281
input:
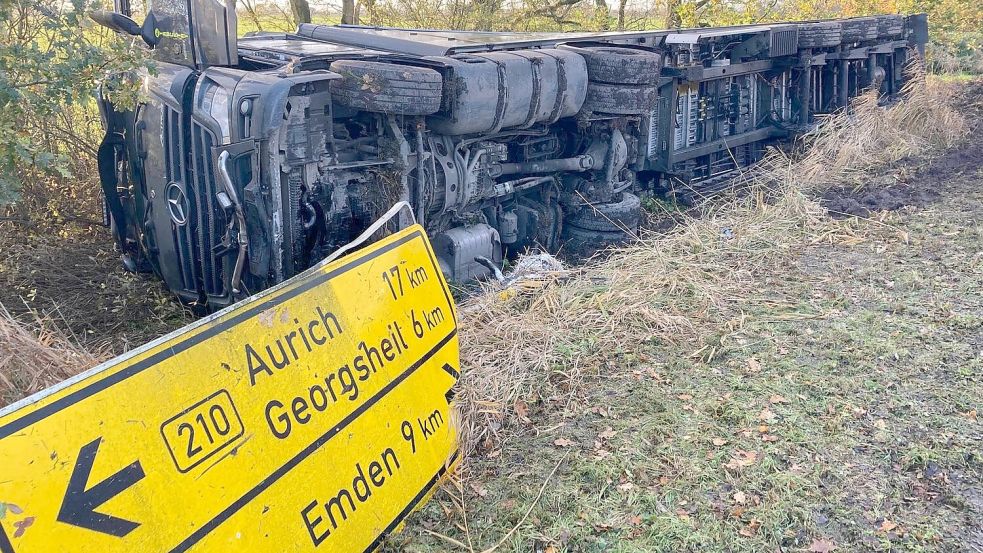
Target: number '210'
column 217, row 421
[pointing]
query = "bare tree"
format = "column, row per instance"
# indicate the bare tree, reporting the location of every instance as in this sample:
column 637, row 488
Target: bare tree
column 368, row 8
column 621, row 14
column 348, row 12
column 602, row 9
column 672, row 14
column 250, row 9
column 301, row 11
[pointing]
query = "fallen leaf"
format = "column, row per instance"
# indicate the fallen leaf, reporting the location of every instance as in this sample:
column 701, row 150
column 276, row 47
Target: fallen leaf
column 719, row 442
column 522, row 409
column 775, row 398
column 753, row 365
column 742, row 459
column 479, row 489
column 769, row 438
column 971, row 414
column 685, row 397
column 767, row 414
column 607, row 433
column 886, row 526
column 265, row 318
column 821, row 546
column 751, row 529
column 22, row 525
column 564, row 442
column 740, row 497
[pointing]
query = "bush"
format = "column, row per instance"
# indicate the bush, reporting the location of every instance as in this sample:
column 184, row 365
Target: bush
column 956, row 52
column 52, row 62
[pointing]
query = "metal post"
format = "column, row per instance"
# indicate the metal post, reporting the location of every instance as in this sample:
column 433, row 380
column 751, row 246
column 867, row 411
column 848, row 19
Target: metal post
column 805, row 87
column 871, row 67
column 844, row 83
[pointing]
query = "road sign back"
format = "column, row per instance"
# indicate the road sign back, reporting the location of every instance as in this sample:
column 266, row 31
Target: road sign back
column 315, row 415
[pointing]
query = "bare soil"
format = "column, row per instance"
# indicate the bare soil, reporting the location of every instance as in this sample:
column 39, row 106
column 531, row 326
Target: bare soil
column 912, row 182
column 74, row 281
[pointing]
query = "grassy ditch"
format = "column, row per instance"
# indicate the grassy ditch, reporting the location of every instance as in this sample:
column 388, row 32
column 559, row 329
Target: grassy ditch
column 765, row 377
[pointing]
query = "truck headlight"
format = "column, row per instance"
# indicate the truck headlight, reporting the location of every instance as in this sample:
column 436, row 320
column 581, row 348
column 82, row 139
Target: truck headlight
column 214, row 100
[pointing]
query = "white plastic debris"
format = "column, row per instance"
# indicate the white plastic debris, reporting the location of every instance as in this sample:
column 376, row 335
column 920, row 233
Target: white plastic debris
column 534, row 266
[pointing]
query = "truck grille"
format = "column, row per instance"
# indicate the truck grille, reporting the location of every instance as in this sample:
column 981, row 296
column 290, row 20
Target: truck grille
column 174, row 149
column 210, row 220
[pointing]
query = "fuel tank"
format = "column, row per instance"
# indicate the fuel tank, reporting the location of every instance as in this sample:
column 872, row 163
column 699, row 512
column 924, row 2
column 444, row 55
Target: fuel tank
column 524, row 86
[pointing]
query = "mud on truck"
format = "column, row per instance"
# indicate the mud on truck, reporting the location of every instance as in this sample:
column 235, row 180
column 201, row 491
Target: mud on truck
column 253, row 158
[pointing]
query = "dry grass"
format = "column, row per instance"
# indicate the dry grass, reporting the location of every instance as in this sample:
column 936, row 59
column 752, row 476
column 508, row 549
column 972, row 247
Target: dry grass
column 550, row 338
column 847, row 147
column 36, row 355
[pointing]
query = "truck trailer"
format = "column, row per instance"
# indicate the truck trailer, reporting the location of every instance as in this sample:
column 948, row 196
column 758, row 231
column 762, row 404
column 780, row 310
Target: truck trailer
column 252, row 158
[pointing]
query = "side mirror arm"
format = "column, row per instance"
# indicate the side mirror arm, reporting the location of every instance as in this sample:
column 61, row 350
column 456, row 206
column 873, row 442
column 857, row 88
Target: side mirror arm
column 126, row 25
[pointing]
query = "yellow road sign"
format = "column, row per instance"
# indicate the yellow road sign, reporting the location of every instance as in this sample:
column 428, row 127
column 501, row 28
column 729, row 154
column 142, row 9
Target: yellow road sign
column 313, row 416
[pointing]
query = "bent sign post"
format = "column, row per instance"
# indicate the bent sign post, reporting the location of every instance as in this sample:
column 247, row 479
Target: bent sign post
column 314, row 416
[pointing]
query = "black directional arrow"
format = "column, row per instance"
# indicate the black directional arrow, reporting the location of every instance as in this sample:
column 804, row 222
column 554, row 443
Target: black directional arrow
column 451, row 370
column 78, row 507
column 456, row 375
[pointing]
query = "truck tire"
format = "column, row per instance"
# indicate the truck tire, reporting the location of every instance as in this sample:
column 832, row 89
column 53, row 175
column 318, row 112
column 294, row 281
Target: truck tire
column 387, row 87
column 607, row 64
column 583, row 242
column 618, row 216
column 859, row 29
column 820, row 35
column 620, row 99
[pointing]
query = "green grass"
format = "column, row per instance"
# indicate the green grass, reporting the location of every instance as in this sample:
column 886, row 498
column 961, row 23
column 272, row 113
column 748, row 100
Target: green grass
column 961, row 77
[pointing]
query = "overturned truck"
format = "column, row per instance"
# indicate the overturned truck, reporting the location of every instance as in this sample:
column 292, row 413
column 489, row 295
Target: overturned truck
column 253, row 158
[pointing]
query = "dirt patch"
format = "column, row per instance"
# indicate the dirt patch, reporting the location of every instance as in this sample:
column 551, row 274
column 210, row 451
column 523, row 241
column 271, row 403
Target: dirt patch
column 76, row 282
column 915, row 181
column 901, row 187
